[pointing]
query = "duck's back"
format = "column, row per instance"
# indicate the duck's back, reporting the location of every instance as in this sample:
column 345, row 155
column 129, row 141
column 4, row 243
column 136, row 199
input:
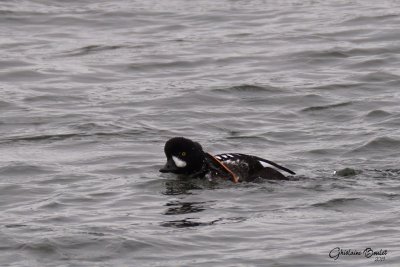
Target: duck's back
column 248, row 168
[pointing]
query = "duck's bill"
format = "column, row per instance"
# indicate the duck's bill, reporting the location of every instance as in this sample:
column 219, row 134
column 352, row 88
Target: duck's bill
column 169, row 167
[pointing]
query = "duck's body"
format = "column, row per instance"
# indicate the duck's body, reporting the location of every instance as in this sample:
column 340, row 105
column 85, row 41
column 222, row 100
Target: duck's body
column 188, row 158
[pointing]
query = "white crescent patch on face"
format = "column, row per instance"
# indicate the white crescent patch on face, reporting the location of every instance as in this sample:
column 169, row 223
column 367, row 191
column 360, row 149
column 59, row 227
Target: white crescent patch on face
column 178, row 162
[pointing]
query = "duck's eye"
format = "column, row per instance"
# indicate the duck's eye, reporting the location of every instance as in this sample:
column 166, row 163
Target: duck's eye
column 183, row 153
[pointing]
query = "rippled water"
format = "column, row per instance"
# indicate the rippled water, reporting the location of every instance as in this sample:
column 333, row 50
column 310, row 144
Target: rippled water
column 91, row 90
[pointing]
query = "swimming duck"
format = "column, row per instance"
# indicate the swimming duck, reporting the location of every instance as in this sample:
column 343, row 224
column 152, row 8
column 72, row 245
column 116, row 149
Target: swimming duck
column 186, row 157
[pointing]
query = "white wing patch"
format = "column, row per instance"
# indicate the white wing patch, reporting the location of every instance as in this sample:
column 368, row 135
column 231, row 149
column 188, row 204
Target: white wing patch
column 264, row 164
column 230, row 159
column 178, row 162
column 225, row 156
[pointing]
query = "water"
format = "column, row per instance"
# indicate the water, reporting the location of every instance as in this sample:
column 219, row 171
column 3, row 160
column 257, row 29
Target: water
column 91, row 90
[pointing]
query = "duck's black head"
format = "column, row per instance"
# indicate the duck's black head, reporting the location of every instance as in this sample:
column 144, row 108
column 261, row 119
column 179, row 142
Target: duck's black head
column 183, row 156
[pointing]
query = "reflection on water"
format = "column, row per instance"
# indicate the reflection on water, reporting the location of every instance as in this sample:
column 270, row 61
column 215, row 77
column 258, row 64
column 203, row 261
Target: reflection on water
column 182, row 186
column 176, row 207
column 188, row 222
column 194, row 222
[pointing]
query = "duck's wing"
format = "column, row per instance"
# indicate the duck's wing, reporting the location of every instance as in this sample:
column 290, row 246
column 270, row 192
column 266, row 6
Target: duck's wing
column 254, row 160
column 261, row 160
column 222, row 170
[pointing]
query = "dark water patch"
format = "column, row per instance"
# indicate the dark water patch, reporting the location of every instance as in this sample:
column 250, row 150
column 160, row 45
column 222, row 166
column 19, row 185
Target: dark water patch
column 328, row 54
column 325, row 152
column 335, row 86
column 369, row 53
column 38, row 138
column 375, row 19
column 380, row 77
column 52, row 205
column 15, row 225
column 105, row 194
column 327, row 107
column 19, row 75
column 342, row 32
column 4, row 105
column 337, row 203
column 54, row 98
column 22, row 198
column 370, row 63
column 14, row 63
column 178, row 207
column 378, row 114
column 195, row 222
column 20, row 16
column 189, row 66
column 249, row 88
column 64, row 179
column 91, row 49
column 188, row 222
column 183, row 186
column 46, row 138
column 20, row 168
column 347, row 172
column 387, row 195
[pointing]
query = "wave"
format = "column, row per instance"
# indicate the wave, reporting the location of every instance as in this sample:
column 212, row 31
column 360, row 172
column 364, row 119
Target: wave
column 378, row 145
column 90, row 49
column 62, row 137
column 332, row 106
column 378, row 114
column 249, row 88
column 336, row 202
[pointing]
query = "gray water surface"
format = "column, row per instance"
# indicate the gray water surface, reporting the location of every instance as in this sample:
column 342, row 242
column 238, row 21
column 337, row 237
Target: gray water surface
column 91, row 91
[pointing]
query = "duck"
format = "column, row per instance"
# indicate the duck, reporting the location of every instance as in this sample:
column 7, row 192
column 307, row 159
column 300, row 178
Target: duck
column 187, row 158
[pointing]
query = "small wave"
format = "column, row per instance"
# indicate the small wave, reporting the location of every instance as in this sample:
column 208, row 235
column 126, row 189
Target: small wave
column 53, row 98
column 323, row 151
column 253, row 138
column 90, row 49
column 361, row 20
column 378, row 145
column 15, row 225
column 248, row 88
column 334, row 86
column 369, row 63
column 336, row 202
column 327, row 54
column 190, row 64
column 5, row 105
column 62, row 137
column 378, row 114
column 332, row 106
column 23, row 169
column 380, row 76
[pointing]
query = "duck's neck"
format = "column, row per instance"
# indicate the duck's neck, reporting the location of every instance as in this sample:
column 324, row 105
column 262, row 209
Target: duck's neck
column 201, row 172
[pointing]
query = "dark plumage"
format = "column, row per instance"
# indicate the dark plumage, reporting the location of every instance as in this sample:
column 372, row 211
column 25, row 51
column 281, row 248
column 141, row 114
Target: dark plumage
column 186, row 157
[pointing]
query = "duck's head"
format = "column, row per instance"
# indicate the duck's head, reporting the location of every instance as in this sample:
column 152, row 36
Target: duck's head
column 183, row 156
